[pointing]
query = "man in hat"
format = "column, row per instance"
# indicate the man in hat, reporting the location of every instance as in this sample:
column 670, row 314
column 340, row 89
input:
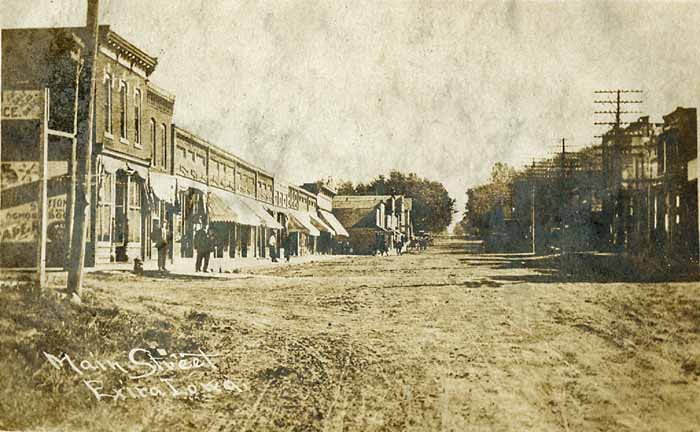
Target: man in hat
column 202, row 246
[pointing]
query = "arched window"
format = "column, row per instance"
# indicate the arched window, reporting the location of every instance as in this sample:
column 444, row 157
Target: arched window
column 122, row 110
column 137, row 117
column 108, row 103
column 164, row 141
column 154, row 141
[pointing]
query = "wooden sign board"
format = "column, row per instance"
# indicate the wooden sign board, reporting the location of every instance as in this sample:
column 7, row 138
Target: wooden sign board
column 22, row 105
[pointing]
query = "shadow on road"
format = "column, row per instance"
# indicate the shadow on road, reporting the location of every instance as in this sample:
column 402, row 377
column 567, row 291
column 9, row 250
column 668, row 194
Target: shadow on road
column 581, row 267
column 154, row 274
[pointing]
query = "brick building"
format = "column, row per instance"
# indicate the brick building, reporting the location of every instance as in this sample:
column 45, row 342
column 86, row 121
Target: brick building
column 126, row 106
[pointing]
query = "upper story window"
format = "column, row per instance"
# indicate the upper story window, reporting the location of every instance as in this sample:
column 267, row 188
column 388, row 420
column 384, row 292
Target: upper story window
column 108, row 103
column 122, row 110
column 137, row 116
column 154, row 140
column 164, row 145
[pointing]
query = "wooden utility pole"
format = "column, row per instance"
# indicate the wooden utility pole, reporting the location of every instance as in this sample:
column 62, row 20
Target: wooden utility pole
column 613, row 158
column 534, row 249
column 0, row 110
column 84, row 151
column 73, row 173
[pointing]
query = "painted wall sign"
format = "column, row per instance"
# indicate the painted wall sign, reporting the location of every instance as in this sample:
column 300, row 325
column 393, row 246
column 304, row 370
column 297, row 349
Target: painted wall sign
column 22, row 105
column 20, row 223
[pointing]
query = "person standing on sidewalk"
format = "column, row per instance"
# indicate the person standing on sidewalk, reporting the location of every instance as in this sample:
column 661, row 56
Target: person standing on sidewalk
column 211, row 248
column 288, row 246
column 272, row 242
column 160, row 238
column 201, row 245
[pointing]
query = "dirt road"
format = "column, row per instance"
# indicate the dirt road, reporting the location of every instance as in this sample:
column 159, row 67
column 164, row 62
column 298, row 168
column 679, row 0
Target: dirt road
column 442, row 340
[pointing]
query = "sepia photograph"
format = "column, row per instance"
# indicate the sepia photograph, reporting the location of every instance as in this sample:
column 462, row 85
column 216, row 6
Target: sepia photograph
column 349, row 216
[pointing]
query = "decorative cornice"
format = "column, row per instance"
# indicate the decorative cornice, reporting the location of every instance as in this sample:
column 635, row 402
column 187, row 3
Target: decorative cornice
column 127, row 50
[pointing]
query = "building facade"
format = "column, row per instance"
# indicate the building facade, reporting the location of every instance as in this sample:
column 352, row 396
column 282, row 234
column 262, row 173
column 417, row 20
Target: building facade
column 122, row 153
column 146, row 171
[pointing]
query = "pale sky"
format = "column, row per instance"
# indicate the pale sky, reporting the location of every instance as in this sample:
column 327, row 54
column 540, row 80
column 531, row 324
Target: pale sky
column 315, row 88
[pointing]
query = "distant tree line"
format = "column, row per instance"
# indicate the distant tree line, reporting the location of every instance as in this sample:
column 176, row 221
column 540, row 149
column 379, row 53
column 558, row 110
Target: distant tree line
column 432, row 206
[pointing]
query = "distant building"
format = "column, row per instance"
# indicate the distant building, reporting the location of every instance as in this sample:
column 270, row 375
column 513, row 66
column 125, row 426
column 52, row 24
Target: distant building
column 333, row 233
column 675, row 201
column 368, row 216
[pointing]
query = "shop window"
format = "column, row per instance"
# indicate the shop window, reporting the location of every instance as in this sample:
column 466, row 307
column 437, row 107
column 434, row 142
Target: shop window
column 104, row 209
column 134, row 211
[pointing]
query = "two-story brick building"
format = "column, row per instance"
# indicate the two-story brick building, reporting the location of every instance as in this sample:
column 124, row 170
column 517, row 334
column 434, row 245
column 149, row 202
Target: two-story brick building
column 126, row 107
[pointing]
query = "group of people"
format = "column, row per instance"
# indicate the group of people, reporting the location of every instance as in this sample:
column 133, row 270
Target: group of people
column 383, row 245
column 204, row 245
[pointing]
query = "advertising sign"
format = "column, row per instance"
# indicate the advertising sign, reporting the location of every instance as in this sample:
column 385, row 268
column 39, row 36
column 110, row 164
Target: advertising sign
column 22, row 105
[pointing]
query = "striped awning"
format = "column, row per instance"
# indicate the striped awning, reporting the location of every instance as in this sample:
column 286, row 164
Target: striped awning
column 320, row 224
column 265, row 217
column 334, row 223
column 301, row 222
column 227, row 207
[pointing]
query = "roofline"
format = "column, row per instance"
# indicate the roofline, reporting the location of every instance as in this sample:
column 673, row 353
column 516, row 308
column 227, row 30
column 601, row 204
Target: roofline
column 161, row 92
column 304, row 191
column 113, row 38
column 366, row 197
column 219, row 151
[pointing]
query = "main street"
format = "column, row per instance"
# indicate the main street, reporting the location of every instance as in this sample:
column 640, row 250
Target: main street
column 445, row 339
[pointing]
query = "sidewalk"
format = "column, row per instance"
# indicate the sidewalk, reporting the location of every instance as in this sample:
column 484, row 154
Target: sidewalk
column 218, row 267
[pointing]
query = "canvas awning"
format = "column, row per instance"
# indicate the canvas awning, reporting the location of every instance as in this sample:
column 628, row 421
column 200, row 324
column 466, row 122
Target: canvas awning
column 334, row 223
column 301, row 222
column 141, row 170
column 112, row 165
column 275, row 208
column 184, row 183
column 163, row 186
column 227, row 207
column 266, row 218
column 320, row 224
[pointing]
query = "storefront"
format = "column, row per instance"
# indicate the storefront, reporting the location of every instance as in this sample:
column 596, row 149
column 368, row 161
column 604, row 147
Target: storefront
column 340, row 240
column 121, row 212
column 192, row 204
column 303, row 232
column 324, row 242
column 268, row 225
column 164, row 211
column 235, row 224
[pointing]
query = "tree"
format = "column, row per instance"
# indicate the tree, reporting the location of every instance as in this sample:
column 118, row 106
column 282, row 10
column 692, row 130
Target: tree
column 484, row 200
column 432, row 206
